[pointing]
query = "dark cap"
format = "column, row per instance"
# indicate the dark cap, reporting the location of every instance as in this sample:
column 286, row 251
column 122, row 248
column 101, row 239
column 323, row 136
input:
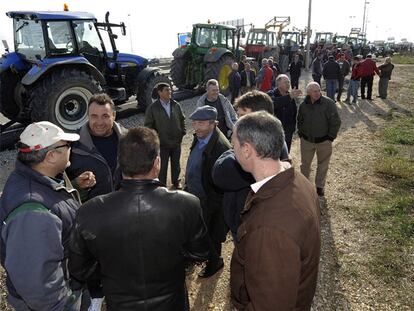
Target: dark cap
column 205, row 112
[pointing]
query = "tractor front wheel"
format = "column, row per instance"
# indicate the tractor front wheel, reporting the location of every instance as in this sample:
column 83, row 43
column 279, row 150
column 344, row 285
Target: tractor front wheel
column 62, row 98
column 220, row 71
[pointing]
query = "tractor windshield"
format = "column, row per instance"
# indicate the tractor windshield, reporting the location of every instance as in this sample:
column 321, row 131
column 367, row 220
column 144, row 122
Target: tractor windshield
column 87, row 37
column 28, row 39
column 59, row 37
column 206, row 37
column 256, row 37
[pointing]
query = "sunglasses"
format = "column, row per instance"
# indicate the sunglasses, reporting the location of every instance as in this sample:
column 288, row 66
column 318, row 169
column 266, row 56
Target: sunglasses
column 68, row 145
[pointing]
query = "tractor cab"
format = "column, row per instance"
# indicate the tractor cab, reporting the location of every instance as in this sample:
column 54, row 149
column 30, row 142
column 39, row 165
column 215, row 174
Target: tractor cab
column 209, row 55
column 60, row 61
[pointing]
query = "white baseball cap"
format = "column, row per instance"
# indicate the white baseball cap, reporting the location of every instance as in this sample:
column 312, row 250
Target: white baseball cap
column 43, row 134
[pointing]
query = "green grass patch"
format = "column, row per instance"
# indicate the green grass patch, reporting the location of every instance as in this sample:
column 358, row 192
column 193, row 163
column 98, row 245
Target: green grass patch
column 403, row 59
column 391, row 216
column 400, row 169
column 401, row 132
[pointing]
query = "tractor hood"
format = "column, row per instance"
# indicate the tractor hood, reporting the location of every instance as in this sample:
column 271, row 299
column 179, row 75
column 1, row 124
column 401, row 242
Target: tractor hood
column 128, row 58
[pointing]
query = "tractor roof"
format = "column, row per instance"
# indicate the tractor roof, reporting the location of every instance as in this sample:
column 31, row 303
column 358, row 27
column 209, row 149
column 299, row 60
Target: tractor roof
column 214, row 26
column 50, row 15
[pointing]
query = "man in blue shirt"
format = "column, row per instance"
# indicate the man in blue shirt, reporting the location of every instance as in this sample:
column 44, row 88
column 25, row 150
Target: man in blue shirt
column 208, row 145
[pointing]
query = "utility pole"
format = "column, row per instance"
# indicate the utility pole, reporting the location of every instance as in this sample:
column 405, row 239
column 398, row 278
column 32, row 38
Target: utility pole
column 363, row 19
column 307, row 60
column 130, row 33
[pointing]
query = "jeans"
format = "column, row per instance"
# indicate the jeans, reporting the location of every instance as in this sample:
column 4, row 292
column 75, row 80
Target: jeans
column 331, row 88
column 352, row 90
column 383, row 87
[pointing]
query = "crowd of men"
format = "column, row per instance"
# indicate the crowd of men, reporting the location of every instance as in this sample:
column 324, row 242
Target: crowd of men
column 89, row 214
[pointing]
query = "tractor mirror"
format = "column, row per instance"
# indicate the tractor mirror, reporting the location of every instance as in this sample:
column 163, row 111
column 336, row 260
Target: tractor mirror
column 123, row 29
column 6, row 45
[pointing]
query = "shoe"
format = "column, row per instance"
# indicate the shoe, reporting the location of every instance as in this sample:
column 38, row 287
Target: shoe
column 96, row 304
column 211, row 268
column 354, row 102
column 369, row 98
column 362, row 96
column 176, row 186
column 320, row 192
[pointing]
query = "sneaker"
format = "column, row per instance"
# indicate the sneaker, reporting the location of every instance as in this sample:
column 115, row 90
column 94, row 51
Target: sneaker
column 96, row 304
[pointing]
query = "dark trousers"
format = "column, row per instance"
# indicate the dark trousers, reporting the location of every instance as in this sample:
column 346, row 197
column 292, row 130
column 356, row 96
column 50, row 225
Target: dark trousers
column 234, row 94
column 317, row 78
column 288, row 139
column 217, row 228
column 340, row 87
column 294, row 81
column 166, row 154
column 367, row 81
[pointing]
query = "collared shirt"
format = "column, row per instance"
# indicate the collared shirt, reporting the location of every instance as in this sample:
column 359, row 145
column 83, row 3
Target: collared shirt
column 257, row 185
column 202, row 142
column 166, row 106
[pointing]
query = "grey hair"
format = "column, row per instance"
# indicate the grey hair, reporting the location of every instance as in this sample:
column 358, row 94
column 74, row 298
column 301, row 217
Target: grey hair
column 265, row 61
column 280, row 77
column 212, row 82
column 263, row 132
column 31, row 158
column 312, row 85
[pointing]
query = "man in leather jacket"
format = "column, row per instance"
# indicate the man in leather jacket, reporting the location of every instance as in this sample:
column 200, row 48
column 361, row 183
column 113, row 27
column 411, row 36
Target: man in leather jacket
column 141, row 235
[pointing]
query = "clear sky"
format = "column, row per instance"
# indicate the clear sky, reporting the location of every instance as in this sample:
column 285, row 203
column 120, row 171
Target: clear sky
column 153, row 25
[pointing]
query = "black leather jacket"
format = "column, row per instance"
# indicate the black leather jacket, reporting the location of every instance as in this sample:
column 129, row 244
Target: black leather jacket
column 141, row 236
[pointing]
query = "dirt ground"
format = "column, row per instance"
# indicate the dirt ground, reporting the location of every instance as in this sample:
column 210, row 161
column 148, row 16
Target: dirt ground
column 344, row 282
column 350, row 181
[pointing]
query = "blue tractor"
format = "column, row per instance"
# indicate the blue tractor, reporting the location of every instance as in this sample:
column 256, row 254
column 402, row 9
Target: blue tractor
column 60, row 61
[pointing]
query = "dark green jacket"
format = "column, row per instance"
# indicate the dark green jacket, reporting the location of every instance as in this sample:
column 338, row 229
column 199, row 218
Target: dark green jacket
column 170, row 129
column 319, row 121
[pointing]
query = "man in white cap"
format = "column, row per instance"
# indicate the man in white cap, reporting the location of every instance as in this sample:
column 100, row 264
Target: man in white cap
column 37, row 210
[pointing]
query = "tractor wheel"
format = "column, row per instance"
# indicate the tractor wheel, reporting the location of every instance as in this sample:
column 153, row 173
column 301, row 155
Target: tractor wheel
column 220, row 71
column 178, row 66
column 284, row 63
column 62, row 98
column 144, row 95
column 8, row 105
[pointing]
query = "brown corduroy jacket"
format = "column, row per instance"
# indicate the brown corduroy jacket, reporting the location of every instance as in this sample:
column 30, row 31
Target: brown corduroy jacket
column 275, row 261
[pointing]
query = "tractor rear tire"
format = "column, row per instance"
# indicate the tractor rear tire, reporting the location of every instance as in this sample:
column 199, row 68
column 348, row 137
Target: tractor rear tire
column 177, row 72
column 8, row 105
column 220, row 71
column 145, row 95
column 62, row 98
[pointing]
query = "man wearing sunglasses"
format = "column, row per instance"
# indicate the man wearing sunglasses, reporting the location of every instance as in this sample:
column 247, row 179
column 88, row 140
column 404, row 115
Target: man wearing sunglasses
column 37, row 210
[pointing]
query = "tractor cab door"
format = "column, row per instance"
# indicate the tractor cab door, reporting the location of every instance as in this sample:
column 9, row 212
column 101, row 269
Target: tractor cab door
column 89, row 43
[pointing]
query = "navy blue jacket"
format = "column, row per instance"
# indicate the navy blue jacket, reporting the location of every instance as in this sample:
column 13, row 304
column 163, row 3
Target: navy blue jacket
column 285, row 110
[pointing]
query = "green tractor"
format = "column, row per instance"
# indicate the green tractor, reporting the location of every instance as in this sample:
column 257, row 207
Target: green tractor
column 209, row 55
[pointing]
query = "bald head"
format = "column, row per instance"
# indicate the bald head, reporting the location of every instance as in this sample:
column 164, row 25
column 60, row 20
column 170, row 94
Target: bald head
column 313, row 90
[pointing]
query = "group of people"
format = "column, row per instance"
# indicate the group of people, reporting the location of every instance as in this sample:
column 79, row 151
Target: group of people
column 362, row 76
column 92, row 210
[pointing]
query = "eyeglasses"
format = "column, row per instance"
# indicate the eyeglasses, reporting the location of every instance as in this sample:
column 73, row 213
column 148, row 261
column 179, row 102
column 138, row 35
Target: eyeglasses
column 68, row 145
